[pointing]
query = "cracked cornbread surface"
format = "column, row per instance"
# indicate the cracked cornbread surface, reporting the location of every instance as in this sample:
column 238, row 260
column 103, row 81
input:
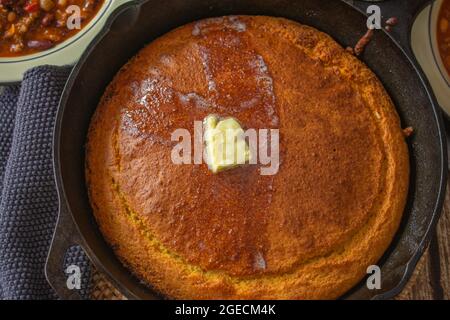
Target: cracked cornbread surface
column 308, row 232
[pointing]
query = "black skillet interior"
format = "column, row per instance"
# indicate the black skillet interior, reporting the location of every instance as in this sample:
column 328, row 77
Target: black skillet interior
column 135, row 28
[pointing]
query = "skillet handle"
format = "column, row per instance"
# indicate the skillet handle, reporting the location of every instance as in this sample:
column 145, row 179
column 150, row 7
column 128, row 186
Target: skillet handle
column 405, row 10
column 65, row 236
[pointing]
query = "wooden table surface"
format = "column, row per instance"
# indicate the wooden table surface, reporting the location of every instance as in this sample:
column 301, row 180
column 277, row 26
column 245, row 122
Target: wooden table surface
column 430, row 280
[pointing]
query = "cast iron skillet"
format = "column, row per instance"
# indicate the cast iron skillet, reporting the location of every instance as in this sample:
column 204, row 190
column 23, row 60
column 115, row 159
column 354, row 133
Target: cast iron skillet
column 136, row 24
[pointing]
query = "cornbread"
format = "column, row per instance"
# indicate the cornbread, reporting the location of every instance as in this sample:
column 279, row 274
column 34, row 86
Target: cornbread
column 308, row 232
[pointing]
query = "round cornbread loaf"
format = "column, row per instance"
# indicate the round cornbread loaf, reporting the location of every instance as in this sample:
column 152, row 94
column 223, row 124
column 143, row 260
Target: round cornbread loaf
column 308, row 232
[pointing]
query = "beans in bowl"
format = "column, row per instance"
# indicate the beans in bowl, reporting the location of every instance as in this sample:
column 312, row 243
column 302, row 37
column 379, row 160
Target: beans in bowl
column 30, row 26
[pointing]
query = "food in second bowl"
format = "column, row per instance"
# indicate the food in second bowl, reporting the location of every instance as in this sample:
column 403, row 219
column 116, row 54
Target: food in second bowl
column 30, row 26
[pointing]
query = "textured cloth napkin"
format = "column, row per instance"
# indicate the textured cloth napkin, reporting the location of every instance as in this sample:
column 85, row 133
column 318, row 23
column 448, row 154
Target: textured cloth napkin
column 28, row 198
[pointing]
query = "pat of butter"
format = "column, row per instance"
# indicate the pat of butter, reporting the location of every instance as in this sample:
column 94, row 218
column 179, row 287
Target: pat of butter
column 226, row 147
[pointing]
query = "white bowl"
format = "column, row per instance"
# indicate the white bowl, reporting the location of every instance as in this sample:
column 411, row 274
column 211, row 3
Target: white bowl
column 424, row 45
column 65, row 53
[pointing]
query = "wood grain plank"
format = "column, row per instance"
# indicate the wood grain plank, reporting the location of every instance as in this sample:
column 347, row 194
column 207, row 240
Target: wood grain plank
column 443, row 232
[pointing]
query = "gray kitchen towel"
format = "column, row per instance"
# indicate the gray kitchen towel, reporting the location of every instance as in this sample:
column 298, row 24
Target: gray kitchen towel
column 28, row 198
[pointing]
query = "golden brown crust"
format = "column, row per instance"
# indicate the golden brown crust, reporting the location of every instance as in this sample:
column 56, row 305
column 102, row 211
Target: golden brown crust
column 311, row 231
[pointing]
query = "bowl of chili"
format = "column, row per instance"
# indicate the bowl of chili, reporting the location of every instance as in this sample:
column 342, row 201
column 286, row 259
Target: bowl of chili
column 440, row 37
column 39, row 32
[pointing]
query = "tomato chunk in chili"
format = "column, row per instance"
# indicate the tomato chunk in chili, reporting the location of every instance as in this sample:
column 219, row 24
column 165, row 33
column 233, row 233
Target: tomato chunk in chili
column 30, row 26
